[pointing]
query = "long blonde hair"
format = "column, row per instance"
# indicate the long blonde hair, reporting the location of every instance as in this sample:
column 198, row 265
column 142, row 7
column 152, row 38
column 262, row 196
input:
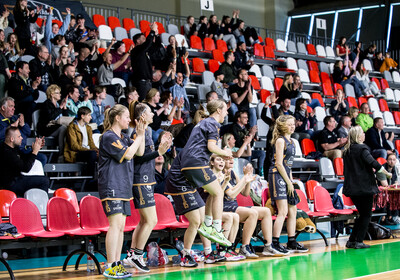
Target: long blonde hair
column 214, row 105
column 354, row 137
column 281, row 127
column 225, row 139
column 111, row 113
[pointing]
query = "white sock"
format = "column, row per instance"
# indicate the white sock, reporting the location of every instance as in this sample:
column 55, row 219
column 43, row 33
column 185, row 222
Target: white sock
column 186, row 252
column 208, row 220
column 217, row 225
column 207, row 250
column 109, row 264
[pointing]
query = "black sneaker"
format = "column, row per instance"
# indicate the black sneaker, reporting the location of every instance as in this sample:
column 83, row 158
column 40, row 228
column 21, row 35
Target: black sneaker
column 282, row 250
column 350, row 244
column 213, row 258
column 361, row 245
column 136, row 261
column 297, row 248
column 188, row 261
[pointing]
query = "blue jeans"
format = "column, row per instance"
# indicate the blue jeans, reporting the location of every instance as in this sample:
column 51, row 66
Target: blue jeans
column 260, row 156
column 382, row 153
column 155, row 134
column 251, row 112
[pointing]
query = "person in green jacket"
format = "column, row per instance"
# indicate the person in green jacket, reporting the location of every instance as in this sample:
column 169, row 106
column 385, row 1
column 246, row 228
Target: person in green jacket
column 364, row 119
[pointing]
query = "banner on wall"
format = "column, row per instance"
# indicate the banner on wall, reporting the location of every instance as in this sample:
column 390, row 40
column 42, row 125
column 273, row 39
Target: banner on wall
column 59, row 11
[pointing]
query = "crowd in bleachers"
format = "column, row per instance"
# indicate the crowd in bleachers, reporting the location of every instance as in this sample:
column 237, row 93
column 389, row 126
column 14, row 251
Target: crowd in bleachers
column 62, row 86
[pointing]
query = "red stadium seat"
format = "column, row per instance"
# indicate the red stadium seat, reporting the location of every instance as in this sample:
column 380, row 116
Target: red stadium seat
column 69, row 195
column 384, row 84
column 325, row 78
column 269, row 52
column 166, row 214
column 362, row 100
column 303, row 205
column 316, row 95
column 323, row 202
column 278, row 82
column 307, row 146
column 254, row 82
column 397, row 144
column 59, row 22
column 327, row 90
column 338, row 167
column 311, row 49
column 144, row 27
column 260, row 39
column 376, row 81
column 310, row 185
column 98, row 20
column 264, row 94
column 39, row 21
column 128, row 43
column 113, row 22
column 160, row 27
column 381, row 160
column 218, row 55
column 244, row 201
column 352, row 101
column 258, row 50
column 92, row 214
column 128, row 24
column 348, row 203
column 6, row 197
column 213, row 65
column 396, row 116
column 314, row 77
column 198, row 65
column 383, row 106
column 101, row 50
column 195, row 42
column 270, row 42
column 26, row 217
column 312, row 65
column 221, row 45
column 209, row 44
column 337, row 86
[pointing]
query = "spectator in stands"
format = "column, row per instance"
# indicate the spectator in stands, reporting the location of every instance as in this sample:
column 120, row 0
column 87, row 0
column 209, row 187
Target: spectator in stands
column 79, row 145
column 70, row 32
column 357, row 53
column 353, row 114
column 50, row 114
column 13, row 51
column 183, row 136
column 242, row 95
column 226, row 30
column 202, row 31
column 242, row 60
column 131, row 95
column 52, row 29
column 339, row 106
column 175, row 53
column 378, row 61
column 65, row 56
column 329, row 142
column 24, row 91
column 4, row 19
column 242, row 34
column 341, row 48
column 13, row 162
column 219, row 87
column 284, row 109
column 360, row 183
column 343, row 74
column 211, row 95
column 161, row 175
column 363, row 76
column 141, row 64
column 190, row 28
column 160, row 113
column 73, row 102
column 391, row 218
column 388, row 64
column 88, row 62
column 105, row 73
column 81, row 31
column 5, row 74
column 164, row 80
column 158, row 53
column 364, row 119
column 345, row 125
column 305, row 121
column 91, row 38
column 240, row 131
column 228, row 140
column 174, row 112
column 228, row 69
column 376, row 140
column 99, row 107
column 23, row 17
column 178, row 90
column 41, row 67
column 214, row 28
column 370, row 52
column 66, row 80
column 286, row 91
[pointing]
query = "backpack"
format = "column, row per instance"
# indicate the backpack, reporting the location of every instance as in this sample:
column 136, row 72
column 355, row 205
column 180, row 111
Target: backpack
column 376, row 231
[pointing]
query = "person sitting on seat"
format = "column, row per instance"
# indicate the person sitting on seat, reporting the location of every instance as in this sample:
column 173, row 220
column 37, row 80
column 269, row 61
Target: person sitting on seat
column 364, row 119
column 375, row 139
column 329, row 143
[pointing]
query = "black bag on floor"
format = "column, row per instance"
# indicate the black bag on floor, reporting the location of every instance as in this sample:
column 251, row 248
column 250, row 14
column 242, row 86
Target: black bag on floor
column 376, row 231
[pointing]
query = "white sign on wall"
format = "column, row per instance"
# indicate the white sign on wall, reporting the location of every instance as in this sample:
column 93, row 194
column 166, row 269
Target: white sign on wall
column 321, row 23
column 207, row 5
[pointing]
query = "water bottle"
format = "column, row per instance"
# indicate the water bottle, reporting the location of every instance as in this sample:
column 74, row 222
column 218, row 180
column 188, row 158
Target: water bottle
column 179, row 245
column 90, row 262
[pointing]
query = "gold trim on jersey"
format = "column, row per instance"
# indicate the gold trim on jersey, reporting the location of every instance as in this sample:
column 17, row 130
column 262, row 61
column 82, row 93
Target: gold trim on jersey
column 144, row 184
column 141, row 199
column 124, row 199
column 196, row 167
column 123, row 156
column 184, row 202
column 180, row 193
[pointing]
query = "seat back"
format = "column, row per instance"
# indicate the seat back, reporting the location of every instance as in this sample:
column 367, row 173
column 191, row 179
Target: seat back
column 258, row 50
column 160, row 27
column 321, row 51
column 269, row 52
column 337, row 86
column 195, row 42
column 322, row 199
column 172, row 29
column 179, row 38
column 304, row 76
column 396, row 116
column 61, row 215
column 256, row 70
column 347, row 202
column 244, row 201
column 362, row 100
column 278, row 82
column 373, row 105
column 396, row 76
column 320, row 113
column 326, row 168
column 387, row 76
column 39, row 197
column 221, row 45
column 98, row 20
column 113, row 22
column 352, row 101
column 323, row 67
column 367, row 65
column 317, row 96
column 209, row 44
column 267, row 71
column 298, row 153
column 264, row 93
column 266, row 83
column 198, row 65
column 25, row 216
column 291, row 47
column 383, row 106
column 6, row 197
column 280, row 45
column 307, row 146
column 144, row 26
column 310, row 186
column 208, row 77
column 327, row 90
column 120, row 33
column 381, row 160
column 314, row 77
column 254, row 82
column 311, row 49
column 218, row 55
column 397, row 145
column 338, row 166
column 329, row 52
column 92, row 213
column 301, row 48
column 291, row 64
column 302, row 64
column 349, row 90
column 105, row 33
column 70, row 196
column 270, row 42
column 165, row 210
column 213, row 65
column 389, row 95
column 302, row 205
column 128, row 24
column 376, row 81
column 133, row 32
column 384, row 84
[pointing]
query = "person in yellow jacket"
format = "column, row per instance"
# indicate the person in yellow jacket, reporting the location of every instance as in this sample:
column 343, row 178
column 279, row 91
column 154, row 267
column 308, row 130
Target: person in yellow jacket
column 388, row 64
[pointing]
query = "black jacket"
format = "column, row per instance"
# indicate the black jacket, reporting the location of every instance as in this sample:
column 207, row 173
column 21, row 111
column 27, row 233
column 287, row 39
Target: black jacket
column 21, row 91
column 49, row 112
column 359, row 178
column 37, row 70
column 304, row 119
column 241, row 60
column 141, row 63
column 373, row 142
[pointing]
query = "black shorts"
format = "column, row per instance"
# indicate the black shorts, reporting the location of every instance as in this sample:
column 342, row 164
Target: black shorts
column 143, row 196
column 199, row 177
column 188, row 201
column 112, row 207
column 230, row 206
column 277, row 186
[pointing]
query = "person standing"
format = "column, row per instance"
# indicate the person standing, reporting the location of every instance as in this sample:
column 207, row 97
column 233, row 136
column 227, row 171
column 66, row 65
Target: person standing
column 360, row 183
